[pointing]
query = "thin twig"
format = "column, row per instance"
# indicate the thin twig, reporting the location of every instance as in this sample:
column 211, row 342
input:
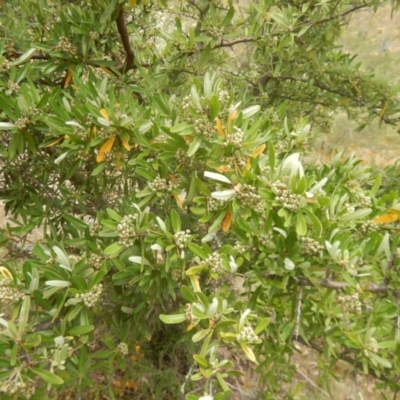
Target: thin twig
column 124, row 34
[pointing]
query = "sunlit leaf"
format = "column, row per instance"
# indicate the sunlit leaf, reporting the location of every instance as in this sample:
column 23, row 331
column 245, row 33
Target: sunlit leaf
column 107, row 146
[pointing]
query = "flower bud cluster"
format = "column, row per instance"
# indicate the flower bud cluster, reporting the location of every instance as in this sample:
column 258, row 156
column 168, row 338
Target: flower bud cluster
column 240, row 248
column 248, row 335
column 59, row 355
column 94, row 35
column 176, row 274
column 65, row 45
column 365, row 201
column 311, row 246
column 252, row 72
column 368, row 226
column 22, row 123
column 81, row 133
column 249, row 198
column 94, row 228
column 6, row 66
column 90, row 299
column 186, row 102
column 217, row 204
column 182, row 238
column 351, row 304
column 215, row 31
column 123, row 348
column 289, row 200
column 104, row 133
column 189, row 313
column 214, row 261
column 17, row 388
column 349, row 208
column 235, row 137
column 161, row 138
column 9, row 295
column 371, row 346
column 223, row 96
column 127, row 230
column 13, row 87
column 204, row 127
column 161, row 184
column 266, row 239
column 95, row 260
column 353, row 185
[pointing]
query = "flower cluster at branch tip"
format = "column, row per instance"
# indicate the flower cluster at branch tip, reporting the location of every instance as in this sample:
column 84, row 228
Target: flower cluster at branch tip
column 247, row 334
column 266, row 239
column 289, row 200
column 368, row 226
column 123, row 348
column 250, row 198
column 217, row 204
column 95, row 260
column 126, row 230
column 365, row 201
column 371, row 346
column 160, row 184
column 350, row 304
column 310, row 246
column 202, row 126
column 94, row 228
column 90, row 299
column 6, row 66
column 214, row 261
column 9, row 295
column 189, row 313
column 235, row 137
column 15, row 386
column 13, row 87
column 65, row 45
column 223, row 96
column 182, row 238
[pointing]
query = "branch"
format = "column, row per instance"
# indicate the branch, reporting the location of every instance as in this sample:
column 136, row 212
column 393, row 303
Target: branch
column 123, row 32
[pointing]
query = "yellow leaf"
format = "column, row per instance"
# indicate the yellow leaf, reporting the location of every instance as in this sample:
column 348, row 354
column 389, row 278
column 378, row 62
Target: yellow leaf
column 125, row 144
column 104, row 113
column 190, row 327
column 55, row 142
column 6, row 273
column 224, row 168
column 178, row 201
column 232, row 116
column 382, row 113
column 188, row 139
column 386, row 218
column 220, row 129
column 194, row 280
column 226, row 223
column 259, row 150
column 106, row 70
column 107, row 146
column 132, row 3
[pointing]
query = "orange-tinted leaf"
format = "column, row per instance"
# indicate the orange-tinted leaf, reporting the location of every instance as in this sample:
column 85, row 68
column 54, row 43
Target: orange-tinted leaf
column 188, row 139
column 125, row 144
column 220, row 129
column 190, row 327
column 55, row 142
column 106, row 70
column 224, row 168
column 226, row 223
column 68, row 76
column 107, row 146
column 259, row 150
column 173, row 178
column 386, row 218
column 178, row 201
column 232, row 116
column 104, row 113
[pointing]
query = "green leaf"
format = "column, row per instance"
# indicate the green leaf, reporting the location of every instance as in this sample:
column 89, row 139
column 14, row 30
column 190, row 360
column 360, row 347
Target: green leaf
column 175, row 221
column 301, row 226
column 196, row 249
column 261, row 325
column 173, row 319
column 201, row 361
column 114, row 215
column 201, row 335
column 98, row 169
column 187, row 294
column 113, row 249
column 24, row 314
column 205, row 56
column 194, row 146
column 47, row 376
column 80, row 330
column 249, row 352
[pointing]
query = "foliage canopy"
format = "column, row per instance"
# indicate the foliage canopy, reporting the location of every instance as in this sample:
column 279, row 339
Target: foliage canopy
column 160, row 146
